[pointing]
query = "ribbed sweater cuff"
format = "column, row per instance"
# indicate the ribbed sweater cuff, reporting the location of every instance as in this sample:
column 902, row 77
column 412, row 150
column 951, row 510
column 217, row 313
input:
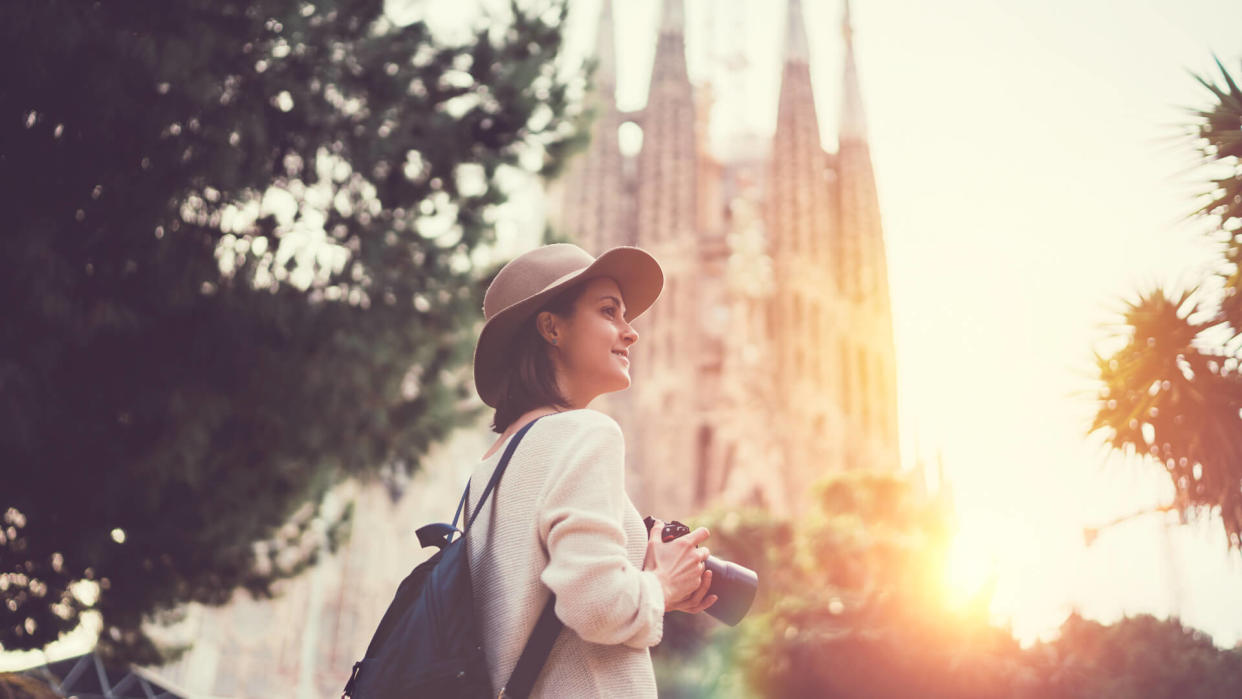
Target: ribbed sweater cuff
column 653, row 607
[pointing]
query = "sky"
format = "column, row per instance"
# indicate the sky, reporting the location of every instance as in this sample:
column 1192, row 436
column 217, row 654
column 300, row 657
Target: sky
column 1033, row 173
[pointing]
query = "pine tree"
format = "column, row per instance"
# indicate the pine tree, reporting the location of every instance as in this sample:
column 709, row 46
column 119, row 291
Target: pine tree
column 236, row 269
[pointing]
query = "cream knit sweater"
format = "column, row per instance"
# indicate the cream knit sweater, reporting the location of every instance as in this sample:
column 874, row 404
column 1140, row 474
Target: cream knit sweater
column 560, row 520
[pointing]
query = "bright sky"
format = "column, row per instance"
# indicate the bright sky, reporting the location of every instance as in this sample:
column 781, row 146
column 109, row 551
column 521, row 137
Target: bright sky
column 1031, row 177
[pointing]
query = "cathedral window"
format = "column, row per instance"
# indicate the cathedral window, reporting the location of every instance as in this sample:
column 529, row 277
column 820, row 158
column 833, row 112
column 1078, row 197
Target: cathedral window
column 817, row 344
column 703, row 475
column 864, row 389
column 671, row 320
column 845, row 391
column 629, row 139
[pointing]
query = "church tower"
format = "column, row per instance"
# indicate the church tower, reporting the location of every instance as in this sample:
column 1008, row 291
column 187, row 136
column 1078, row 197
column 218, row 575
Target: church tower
column 665, row 362
column 768, row 361
column 868, row 350
column 596, row 210
column 805, row 313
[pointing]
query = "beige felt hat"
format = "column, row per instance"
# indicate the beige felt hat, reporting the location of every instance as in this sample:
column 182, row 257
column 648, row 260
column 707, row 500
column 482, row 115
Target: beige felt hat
column 532, row 279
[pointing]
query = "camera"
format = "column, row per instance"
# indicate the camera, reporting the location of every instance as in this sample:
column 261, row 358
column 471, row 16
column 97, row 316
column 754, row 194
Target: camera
column 733, row 585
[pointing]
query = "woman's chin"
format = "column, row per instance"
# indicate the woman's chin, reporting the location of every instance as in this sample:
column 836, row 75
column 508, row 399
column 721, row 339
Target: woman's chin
column 620, row 382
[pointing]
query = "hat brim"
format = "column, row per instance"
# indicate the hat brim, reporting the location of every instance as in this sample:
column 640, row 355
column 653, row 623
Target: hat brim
column 636, row 273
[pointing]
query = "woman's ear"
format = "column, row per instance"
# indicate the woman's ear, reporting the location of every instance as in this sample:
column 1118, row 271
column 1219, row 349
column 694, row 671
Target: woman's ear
column 548, row 326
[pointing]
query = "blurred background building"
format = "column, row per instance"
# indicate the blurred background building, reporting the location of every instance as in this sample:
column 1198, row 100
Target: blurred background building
column 769, row 360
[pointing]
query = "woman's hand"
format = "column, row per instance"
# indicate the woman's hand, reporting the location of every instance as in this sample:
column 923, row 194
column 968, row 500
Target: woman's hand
column 680, row 566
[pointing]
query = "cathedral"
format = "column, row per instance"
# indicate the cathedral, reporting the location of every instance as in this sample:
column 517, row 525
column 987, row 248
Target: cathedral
column 769, row 360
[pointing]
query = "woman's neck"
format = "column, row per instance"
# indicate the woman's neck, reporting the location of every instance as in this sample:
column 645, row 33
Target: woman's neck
column 533, row 414
column 521, row 421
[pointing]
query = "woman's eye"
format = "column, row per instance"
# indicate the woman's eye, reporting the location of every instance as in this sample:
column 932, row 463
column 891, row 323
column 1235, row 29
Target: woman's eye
column 610, row 311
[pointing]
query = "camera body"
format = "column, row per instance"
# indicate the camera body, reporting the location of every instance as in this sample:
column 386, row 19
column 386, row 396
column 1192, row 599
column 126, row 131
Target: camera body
column 733, row 585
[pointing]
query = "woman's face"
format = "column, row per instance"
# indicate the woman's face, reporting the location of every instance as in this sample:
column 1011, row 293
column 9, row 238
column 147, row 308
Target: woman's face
column 593, row 344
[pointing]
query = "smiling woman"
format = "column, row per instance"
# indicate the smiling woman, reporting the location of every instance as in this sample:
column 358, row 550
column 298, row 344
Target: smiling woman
column 596, row 341
column 554, row 317
column 561, row 534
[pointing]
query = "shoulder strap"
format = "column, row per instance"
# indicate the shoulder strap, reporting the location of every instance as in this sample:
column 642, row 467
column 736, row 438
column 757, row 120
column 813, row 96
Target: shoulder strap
column 535, row 654
column 548, row 627
column 491, row 483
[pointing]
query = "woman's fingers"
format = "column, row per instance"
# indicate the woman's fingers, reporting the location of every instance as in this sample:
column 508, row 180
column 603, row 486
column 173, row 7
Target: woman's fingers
column 705, row 583
column 681, row 565
column 711, row 599
column 653, row 539
column 654, row 535
column 695, row 602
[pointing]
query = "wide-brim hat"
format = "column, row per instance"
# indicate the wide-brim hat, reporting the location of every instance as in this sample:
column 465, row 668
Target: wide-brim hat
column 532, row 279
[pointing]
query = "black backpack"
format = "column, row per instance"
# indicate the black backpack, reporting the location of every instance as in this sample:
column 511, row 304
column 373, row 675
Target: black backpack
column 428, row 642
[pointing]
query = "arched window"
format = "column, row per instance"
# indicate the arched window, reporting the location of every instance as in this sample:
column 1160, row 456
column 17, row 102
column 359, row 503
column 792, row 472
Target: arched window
column 817, row 344
column 769, row 312
column 670, row 322
column 865, row 388
column 845, row 392
column 703, row 473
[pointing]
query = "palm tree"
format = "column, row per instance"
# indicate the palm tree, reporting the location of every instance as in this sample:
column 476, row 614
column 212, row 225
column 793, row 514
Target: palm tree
column 1174, row 391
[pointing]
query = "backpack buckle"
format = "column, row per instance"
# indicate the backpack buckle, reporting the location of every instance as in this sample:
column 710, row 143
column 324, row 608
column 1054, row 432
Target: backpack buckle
column 438, row 534
column 353, row 676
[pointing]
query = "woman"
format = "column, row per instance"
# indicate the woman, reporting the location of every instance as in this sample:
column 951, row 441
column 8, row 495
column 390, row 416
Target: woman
column 557, row 335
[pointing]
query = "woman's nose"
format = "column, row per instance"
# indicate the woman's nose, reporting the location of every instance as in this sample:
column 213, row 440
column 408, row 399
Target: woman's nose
column 630, row 335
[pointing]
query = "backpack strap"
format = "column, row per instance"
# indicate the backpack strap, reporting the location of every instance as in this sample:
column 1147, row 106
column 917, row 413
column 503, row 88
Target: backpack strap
column 547, row 627
column 535, row 654
column 461, row 504
column 491, row 483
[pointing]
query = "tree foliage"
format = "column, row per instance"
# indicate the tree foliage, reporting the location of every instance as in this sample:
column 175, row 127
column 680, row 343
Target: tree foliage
column 1173, row 392
column 236, row 268
column 1139, row 657
column 853, row 604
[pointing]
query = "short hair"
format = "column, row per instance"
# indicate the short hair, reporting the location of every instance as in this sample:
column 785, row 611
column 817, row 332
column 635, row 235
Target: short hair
column 529, row 381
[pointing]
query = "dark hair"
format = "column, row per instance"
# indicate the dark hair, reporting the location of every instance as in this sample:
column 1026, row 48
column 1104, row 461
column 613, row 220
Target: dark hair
column 530, row 379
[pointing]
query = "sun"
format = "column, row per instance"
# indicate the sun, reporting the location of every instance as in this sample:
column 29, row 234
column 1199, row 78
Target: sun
column 973, row 562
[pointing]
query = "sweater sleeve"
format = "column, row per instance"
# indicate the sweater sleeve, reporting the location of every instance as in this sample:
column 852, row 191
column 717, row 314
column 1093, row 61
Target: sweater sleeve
column 599, row 594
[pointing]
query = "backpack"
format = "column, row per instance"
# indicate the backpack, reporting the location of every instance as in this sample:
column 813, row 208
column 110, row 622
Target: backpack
column 428, row 642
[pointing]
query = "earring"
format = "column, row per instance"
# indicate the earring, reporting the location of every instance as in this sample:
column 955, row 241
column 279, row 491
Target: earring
column 554, row 340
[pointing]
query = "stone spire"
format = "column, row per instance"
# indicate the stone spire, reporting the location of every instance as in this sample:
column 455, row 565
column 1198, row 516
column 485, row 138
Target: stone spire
column 666, row 197
column 593, row 212
column 670, row 58
column 863, row 273
column 801, row 229
column 795, row 34
column 853, row 124
column 673, row 17
column 798, row 216
column 605, row 54
column 667, row 163
column 797, row 222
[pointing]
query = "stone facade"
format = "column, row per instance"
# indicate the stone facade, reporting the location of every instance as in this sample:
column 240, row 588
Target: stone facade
column 768, row 361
